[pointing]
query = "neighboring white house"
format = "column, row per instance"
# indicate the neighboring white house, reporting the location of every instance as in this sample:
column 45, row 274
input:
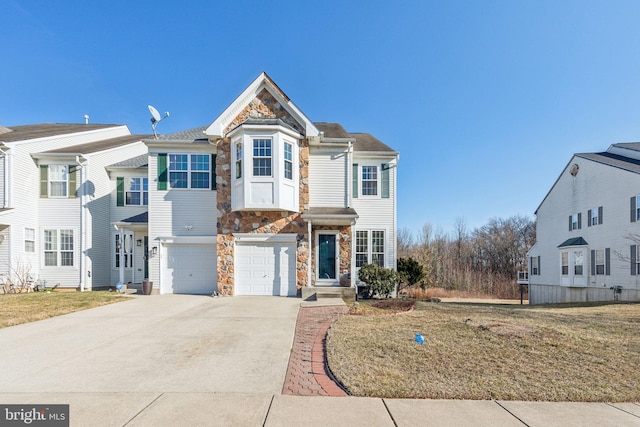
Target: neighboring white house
column 588, row 231
column 55, row 200
column 262, row 201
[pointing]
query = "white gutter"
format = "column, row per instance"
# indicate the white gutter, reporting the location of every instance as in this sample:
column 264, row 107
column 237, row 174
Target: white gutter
column 309, row 251
column 83, row 221
column 6, row 200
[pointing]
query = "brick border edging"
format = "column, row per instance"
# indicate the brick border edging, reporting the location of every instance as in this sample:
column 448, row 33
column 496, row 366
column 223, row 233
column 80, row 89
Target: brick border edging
column 320, row 367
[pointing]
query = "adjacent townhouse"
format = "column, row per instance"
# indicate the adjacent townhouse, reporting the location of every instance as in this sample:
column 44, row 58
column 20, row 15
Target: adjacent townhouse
column 55, row 194
column 588, row 231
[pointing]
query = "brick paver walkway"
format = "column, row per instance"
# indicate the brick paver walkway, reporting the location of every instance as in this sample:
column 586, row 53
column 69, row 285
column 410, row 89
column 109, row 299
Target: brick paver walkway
column 307, row 373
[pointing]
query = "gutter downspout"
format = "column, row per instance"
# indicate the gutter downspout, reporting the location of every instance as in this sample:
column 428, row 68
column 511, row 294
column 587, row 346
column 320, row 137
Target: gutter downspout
column 83, row 222
column 309, row 251
column 6, row 200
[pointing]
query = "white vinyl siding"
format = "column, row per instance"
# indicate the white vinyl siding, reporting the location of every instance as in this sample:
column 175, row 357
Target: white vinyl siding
column 328, row 179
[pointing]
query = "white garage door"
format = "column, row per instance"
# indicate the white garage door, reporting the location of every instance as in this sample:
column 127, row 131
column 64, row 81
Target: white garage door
column 190, row 269
column 265, row 269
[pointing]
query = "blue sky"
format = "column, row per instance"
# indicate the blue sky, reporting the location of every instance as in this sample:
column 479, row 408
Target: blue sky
column 485, row 100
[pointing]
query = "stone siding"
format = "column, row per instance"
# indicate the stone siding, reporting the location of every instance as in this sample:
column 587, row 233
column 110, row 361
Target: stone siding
column 265, row 106
column 229, row 222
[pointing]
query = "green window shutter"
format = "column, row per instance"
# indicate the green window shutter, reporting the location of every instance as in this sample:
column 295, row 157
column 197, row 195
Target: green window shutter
column 44, row 181
column 120, row 191
column 71, row 184
column 162, row 171
column 213, row 171
column 355, row 179
column 385, row 180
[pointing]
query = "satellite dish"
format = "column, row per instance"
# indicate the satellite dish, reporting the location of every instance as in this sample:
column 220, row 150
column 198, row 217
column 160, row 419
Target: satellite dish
column 156, row 118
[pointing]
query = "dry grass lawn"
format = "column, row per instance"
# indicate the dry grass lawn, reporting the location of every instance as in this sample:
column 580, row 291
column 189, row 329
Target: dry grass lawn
column 23, row 308
column 489, row 351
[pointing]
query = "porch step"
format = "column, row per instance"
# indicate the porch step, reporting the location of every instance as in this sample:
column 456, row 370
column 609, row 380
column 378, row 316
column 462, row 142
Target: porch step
column 312, row 293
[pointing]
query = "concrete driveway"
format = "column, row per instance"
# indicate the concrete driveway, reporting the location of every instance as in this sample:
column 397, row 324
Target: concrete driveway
column 164, row 343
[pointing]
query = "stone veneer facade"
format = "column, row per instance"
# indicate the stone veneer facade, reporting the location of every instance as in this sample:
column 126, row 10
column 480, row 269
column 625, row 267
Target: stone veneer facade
column 229, row 222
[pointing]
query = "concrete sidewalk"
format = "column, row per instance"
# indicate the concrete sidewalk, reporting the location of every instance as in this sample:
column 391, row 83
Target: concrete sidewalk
column 208, row 409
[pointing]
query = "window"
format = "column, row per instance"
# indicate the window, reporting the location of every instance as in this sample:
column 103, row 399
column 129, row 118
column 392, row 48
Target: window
column 575, row 222
column 578, row 263
column 599, row 261
column 261, row 157
column 377, row 248
column 137, row 191
column 535, row 265
column 362, row 247
column 595, row 216
column 127, row 249
column 288, row 160
column 369, row 247
column 58, row 176
column 238, row 160
column 369, row 180
column 565, row 263
column 29, row 240
column 58, row 245
column 189, row 171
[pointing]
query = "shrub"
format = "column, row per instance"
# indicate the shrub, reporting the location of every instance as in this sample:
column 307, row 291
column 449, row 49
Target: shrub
column 381, row 281
column 410, row 273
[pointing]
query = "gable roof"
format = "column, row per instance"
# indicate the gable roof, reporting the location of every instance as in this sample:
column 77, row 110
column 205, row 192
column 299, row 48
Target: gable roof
column 362, row 141
column 263, row 81
column 605, row 158
column 44, row 130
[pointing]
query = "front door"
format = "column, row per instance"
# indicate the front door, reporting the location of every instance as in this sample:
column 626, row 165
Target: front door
column 327, row 257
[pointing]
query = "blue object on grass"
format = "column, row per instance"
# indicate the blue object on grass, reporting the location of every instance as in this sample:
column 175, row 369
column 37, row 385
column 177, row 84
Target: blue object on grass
column 118, row 286
column 419, row 339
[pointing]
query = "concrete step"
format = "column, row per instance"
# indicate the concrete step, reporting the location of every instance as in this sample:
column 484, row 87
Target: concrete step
column 313, row 293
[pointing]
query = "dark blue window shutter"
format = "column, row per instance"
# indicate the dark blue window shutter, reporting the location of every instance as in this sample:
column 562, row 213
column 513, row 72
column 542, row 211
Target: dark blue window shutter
column 589, row 218
column 593, row 262
column 633, row 260
column 570, row 223
column 600, row 212
column 607, row 261
column 579, row 220
column 633, row 209
column 539, row 267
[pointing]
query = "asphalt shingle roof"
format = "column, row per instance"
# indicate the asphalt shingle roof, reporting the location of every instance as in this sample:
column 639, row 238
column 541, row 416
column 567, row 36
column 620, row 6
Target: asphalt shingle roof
column 621, row 162
column 96, row 146
column 363, row 141
column 28, row 132
column 195, row 134
column 140, row 161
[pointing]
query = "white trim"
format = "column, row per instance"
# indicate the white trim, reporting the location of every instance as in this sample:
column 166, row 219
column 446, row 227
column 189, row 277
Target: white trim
column 265, row 237
column 187, row 240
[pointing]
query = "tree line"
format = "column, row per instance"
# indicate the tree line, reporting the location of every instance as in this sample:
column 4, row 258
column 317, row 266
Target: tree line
column 483, row 261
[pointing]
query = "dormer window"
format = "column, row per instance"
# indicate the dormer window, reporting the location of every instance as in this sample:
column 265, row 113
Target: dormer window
column 261, row 157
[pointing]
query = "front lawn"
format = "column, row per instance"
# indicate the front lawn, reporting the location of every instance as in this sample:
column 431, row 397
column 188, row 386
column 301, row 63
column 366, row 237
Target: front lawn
column 23, row 308
column 489, row 351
